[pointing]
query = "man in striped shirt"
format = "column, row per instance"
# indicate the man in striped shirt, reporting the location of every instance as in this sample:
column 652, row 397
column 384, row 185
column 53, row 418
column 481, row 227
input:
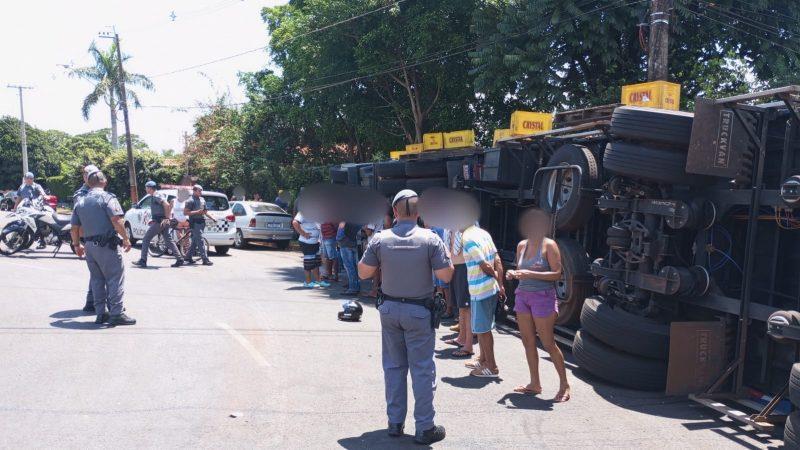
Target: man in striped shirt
column 485, row 277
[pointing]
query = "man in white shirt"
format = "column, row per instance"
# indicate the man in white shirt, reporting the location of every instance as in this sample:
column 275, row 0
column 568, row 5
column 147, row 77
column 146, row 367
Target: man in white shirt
column 309, row 232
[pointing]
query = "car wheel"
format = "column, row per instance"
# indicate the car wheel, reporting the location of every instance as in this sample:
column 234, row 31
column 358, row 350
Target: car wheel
column 617, row 367
column 239, row 241
column 575, row 284
column 221, row 250
column 575, row 205
column 672, row 128
column 625, row 331
column 130, row 233
column 650, row 164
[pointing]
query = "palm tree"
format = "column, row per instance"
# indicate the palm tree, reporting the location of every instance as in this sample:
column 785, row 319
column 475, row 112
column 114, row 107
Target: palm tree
column 104, row 74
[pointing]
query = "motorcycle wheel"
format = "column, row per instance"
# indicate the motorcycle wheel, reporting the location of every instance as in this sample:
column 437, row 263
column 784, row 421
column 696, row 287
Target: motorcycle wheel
column 13, row 242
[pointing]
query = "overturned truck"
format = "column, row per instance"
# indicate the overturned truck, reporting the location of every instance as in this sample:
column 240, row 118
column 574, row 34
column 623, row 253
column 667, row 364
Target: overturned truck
column 662, row 217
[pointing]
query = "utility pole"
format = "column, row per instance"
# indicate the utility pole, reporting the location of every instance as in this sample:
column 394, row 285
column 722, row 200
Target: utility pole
column 23, row 134
column 658, row 55
column 185, row 151
column 124, row 103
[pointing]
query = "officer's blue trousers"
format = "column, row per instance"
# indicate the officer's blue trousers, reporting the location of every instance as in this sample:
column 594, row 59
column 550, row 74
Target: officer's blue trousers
column 198, row 246
column 408, row 343
column 107, row 278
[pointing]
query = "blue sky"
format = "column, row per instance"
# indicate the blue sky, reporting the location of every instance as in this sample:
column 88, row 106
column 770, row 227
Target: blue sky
column 40, row 36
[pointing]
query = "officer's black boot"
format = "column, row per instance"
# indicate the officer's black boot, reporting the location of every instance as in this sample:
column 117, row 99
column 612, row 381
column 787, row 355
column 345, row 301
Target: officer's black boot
column 121, row 319
column 395, row 429
column 140, row 263
column 178, row 263
column 190, row 261
column 427, row 437
column 89, row 308
column 208, row 263
column 101, row 319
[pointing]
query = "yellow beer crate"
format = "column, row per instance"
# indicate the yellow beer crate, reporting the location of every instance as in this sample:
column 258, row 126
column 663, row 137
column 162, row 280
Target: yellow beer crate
column 432, row 141
column 655, row 94
column 527, row 122
column 459, row 139
column 501, row 134
column 396, row 154
column 414, row 148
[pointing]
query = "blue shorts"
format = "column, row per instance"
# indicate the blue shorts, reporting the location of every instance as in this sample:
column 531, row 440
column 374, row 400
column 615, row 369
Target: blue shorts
column 483, row 314
column 329, row 248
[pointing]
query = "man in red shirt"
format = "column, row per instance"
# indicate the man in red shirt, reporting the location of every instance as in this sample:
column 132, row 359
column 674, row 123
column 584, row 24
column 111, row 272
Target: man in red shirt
column 330, row 253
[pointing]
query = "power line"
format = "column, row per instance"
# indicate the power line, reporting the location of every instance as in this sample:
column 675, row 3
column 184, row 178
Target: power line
column 403, row 64
column 265, row 47
column 699, row 14
column 767, row 28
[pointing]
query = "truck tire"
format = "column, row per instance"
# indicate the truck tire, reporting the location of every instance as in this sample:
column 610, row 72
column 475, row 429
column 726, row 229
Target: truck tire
column 338, row 175
column 620, row 368
column 649, row 164
column 426, row 169
column 791, row 431
column 794, row 386
column 419, row 185
column 647, row 125
column 624, row 331
column 575, row 205
column 390, row 169
column 391, row 186
column 575, row 284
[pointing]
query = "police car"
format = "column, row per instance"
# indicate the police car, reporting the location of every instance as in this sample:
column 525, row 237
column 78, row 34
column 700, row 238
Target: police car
column 220, row 234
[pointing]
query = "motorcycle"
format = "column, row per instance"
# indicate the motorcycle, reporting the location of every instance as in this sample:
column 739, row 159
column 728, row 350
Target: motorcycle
column 34, row 220
column 19, row 233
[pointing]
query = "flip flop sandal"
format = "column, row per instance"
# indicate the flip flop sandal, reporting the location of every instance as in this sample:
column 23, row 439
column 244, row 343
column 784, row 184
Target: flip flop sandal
column 461, row 353
column 472, row 364
column 453, row 343
column 526, row 390
column 484, row 372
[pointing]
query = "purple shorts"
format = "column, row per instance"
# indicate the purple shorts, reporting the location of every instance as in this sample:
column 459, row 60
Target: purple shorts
column 539, row 304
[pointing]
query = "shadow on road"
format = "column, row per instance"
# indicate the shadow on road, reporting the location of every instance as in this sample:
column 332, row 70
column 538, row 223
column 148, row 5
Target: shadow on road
column 470, row 382
column 732, row 431
column 523, row 401
column 70, row 314
column 73, row 325
column 379, row 439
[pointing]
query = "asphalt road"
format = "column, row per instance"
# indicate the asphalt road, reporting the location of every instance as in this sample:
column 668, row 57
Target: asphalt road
column 238, row 356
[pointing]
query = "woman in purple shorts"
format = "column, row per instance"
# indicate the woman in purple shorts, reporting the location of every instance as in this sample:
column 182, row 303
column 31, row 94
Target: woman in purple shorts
column 538, row 267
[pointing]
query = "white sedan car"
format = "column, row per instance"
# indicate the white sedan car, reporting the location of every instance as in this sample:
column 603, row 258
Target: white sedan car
column 262, row 222
column 220, row 234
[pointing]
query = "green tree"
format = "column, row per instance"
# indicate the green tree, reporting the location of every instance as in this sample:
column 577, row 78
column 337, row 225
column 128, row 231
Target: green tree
column 105, row 76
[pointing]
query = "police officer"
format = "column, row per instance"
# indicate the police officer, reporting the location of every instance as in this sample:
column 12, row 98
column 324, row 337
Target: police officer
column 29, row 190
column 99, row 216
column 406, row 256
column 195, row 209
column 80, row 193
column 160, row 211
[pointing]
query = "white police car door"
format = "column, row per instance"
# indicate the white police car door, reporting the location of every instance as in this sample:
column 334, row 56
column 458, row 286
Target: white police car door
column 142, row 217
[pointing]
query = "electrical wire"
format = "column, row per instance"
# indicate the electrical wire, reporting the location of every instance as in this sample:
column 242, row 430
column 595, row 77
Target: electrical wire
column 770, row 29
column 699, row 14
column 403, row 64
column 265, row 47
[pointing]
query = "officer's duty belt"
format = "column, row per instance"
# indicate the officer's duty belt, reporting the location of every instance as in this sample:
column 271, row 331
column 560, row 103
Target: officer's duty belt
column 409, row 301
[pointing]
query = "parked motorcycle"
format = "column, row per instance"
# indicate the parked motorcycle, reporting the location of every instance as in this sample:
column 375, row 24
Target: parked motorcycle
column 34, row 220
column 20, row 232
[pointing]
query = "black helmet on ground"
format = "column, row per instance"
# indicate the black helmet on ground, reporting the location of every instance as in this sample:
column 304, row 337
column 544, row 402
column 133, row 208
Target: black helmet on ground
column 351, row 311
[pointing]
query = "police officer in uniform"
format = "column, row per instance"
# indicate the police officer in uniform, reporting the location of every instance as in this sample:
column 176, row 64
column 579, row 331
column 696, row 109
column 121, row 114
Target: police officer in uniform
column 29, row 190
column 195, row 209
column 160, row 211
column 80, row 193
column 99, row 216
column 406, row 256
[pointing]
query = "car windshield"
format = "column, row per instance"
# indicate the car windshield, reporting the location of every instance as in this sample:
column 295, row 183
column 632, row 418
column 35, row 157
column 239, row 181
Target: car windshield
column 266, row 208
column 216, row 203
